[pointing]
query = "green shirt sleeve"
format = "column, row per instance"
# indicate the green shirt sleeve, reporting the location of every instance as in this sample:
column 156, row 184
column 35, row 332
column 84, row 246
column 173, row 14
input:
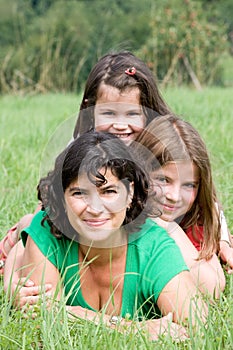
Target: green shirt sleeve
column 59, row 252
column 153, row 260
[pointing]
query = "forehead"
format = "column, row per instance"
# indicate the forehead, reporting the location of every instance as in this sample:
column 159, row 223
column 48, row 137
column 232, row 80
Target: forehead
column 110, row 94
column 184, row 170
column 84, row 181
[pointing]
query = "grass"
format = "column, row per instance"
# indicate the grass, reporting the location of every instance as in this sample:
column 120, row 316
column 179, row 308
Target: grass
column 33, row 130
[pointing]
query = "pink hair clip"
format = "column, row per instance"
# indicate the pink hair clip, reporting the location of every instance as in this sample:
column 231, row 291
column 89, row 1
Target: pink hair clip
column 131, row 71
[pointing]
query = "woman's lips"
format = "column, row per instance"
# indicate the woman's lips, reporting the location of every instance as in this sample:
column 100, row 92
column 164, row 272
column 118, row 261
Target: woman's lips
column 95, row 222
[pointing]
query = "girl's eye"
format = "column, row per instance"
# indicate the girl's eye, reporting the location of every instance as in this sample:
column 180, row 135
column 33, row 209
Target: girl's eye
column 78, row 194
column 161, row 179
column 191, row 185
column 108, row 113
column 134, row 114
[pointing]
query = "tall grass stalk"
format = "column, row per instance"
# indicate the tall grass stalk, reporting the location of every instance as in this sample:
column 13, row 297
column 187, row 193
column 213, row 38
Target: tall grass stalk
column 33, row 130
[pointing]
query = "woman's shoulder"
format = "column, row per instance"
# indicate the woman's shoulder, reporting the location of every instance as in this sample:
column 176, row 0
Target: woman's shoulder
column 151, row 248
column 150, row 234
column 37, row 219
column 53, row 248
column 40, row 231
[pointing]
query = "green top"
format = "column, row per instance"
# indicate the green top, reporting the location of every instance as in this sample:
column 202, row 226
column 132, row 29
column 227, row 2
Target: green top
column 153, row 259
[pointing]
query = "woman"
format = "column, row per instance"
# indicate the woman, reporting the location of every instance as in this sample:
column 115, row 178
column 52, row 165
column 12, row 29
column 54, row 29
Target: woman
column 121, row 97
column 92, row 242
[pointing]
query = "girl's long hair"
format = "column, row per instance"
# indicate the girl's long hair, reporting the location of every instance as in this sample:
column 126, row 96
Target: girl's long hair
column 110, row 70
column 171, row 139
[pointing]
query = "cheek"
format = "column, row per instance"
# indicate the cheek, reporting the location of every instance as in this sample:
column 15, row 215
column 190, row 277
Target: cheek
column 71, row 214
column 117, row 205
column 119, row 218
column 158, row 191
column 191, row 198
column 103, row 124
column 102, row 127
column 139, row 125
column 74, row 208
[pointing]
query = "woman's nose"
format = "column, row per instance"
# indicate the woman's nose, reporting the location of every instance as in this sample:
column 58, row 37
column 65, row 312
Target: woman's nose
column 95, row 204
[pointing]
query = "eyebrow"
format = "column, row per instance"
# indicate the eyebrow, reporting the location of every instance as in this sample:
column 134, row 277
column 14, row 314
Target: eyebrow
column 193, row 181
column 109, row 186
column 71, row 189
column 110, row 107
column 76, row 188
column 170, row 178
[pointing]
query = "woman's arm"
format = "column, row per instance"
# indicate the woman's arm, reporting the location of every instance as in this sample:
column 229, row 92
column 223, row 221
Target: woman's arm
column 208, row 276
column 182, row 297
column 154, row 327
column 180, row 302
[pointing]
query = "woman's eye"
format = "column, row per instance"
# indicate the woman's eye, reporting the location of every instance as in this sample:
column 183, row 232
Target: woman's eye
column 109, row 192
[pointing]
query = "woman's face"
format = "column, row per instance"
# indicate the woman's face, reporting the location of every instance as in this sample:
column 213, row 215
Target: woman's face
column 176, row 187
column 97, row 213
column 119, row 113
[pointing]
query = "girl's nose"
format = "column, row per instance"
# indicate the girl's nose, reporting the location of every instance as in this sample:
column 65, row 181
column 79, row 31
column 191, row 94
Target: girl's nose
column 120, row 126
column 173, row 193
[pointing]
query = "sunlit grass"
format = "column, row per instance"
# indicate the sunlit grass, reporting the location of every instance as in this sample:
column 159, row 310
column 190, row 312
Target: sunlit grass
column 28, row 126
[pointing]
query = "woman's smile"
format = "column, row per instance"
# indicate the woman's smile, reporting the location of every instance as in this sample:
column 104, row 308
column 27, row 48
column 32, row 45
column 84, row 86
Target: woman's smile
column 96, row 222
column 97, row 213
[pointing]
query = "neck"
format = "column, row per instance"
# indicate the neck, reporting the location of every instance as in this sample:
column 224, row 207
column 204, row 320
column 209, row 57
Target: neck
column 101, row 256
column 117, row 239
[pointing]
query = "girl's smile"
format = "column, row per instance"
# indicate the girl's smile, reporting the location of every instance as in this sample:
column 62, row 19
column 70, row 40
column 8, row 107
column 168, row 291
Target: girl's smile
column 176, row 187
column 119, row 112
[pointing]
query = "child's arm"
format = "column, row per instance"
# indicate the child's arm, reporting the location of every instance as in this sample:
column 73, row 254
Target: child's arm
column 208, row 276
column 39, row 269
column 22, row 290
column 13, row 234
column 226, row 249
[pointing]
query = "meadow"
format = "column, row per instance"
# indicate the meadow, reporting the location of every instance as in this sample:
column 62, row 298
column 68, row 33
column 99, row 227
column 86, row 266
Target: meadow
column 33, row 129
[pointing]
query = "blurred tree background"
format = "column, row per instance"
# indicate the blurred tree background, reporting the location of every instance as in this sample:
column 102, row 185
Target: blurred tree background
column 51, row 45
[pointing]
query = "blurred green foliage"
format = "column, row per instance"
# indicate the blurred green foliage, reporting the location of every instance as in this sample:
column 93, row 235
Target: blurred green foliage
column 51, row 45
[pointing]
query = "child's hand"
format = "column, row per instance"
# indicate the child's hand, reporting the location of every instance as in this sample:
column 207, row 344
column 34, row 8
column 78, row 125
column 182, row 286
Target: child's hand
column 25, row 292
column 170, row 226
column 226, row 255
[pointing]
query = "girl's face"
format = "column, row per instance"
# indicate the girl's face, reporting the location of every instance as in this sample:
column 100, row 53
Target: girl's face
column 97, row 213
column 119, row 113
column 176, row 187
